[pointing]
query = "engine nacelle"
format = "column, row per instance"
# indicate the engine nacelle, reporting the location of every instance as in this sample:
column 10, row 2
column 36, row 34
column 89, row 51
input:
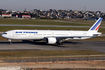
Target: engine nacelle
column 50, row 40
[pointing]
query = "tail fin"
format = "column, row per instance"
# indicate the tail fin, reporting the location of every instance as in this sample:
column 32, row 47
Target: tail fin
column 96, row 25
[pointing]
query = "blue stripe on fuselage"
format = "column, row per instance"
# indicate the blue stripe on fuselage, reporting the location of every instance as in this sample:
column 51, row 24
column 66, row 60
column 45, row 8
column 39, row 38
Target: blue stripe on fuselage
column 24, row 32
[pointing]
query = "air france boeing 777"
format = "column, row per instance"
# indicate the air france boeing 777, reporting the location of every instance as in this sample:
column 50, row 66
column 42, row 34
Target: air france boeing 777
column 53, row 36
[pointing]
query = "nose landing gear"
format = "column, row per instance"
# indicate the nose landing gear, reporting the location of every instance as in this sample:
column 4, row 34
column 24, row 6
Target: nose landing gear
column 9, row 41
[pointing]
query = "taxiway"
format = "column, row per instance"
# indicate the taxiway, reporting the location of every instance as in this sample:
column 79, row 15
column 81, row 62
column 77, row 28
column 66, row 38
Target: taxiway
column 98, row 46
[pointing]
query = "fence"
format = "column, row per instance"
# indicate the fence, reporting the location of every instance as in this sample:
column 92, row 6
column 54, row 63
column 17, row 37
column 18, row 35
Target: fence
column 25, row 60
column 16, row 59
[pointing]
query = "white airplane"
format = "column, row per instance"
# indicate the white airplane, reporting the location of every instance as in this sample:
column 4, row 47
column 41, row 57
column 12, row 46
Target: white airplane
column 53, row 36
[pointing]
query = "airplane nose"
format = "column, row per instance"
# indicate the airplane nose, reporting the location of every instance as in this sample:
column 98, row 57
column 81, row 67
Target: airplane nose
column 2, row 35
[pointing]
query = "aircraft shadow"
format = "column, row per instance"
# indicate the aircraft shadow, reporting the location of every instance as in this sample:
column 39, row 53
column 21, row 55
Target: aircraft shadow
column 38, row 43
column 72, row 42
column 23, row 42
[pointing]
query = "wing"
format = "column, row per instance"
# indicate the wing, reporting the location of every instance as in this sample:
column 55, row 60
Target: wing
column 73, row 37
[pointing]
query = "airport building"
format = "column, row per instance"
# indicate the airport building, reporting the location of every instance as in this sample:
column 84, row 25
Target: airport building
column 6, row 15
column 26, row 16
column 16, row 16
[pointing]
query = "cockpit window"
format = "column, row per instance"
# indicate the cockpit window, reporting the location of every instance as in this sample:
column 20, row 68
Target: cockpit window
column 4, row 33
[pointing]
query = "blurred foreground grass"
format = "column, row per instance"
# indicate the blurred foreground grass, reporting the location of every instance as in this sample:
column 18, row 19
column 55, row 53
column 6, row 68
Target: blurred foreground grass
column 47, row 53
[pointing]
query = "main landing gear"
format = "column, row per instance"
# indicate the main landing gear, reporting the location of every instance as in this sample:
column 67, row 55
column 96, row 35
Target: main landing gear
column 59, row 42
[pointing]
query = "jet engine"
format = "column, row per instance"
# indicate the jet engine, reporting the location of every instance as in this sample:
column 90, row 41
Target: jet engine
column 50, row 40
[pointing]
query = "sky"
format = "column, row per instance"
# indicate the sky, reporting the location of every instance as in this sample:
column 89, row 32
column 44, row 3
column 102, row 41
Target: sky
column 79, row 5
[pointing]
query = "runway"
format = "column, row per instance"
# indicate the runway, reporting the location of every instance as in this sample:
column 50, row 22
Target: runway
column 98, row 46
column 46, row 25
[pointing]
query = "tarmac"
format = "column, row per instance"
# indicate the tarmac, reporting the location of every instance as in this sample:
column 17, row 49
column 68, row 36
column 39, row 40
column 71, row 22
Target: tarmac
column 98, row 46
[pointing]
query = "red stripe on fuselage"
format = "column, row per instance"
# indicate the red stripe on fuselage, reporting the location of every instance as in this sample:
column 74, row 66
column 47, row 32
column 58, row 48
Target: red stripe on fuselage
column 97, row 27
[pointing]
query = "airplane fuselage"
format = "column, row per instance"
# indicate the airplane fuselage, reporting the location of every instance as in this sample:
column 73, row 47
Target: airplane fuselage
column 41, row 34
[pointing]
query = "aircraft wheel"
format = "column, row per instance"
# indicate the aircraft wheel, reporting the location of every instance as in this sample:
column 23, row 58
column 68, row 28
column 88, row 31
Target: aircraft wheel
column 9, row 41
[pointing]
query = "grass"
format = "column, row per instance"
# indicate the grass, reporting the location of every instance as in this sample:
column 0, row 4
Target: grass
column 47, row 53
column 41, row 22
column 47, row 22
column 6, row 28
